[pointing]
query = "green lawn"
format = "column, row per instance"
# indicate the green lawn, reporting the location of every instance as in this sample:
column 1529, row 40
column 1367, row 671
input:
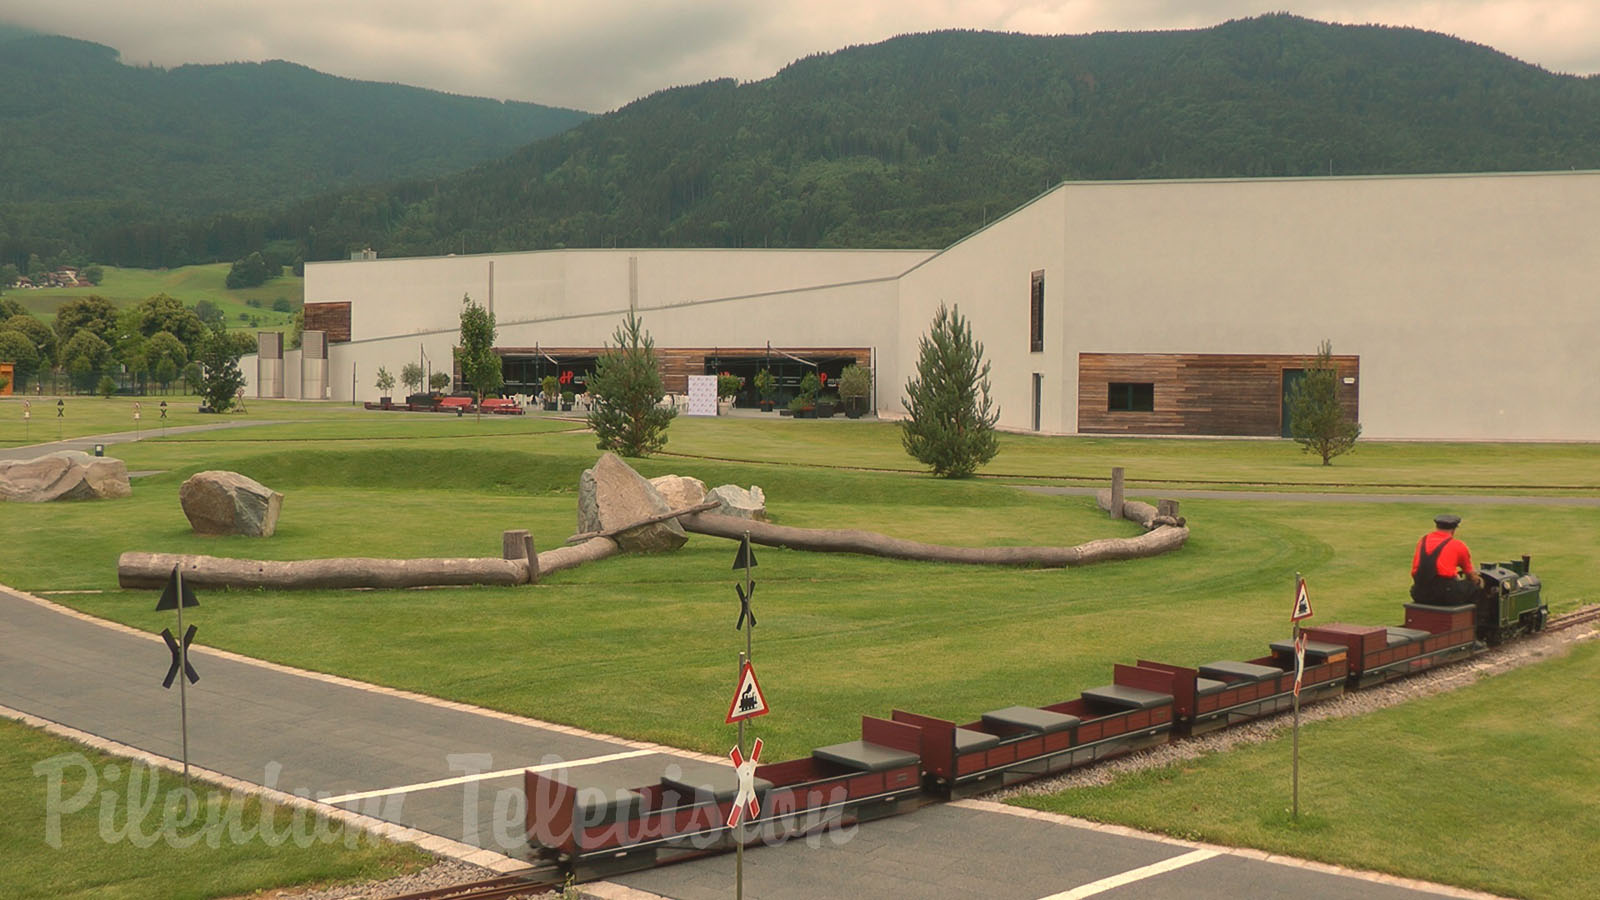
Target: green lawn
column 645, row 646
column 81, row 853
column 1492, row 787
column 191, row 284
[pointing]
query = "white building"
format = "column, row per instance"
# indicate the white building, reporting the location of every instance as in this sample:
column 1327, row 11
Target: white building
column 1460, row 307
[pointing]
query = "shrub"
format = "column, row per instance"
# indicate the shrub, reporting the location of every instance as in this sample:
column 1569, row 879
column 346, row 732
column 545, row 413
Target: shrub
column 728, row 385
column 855, row 382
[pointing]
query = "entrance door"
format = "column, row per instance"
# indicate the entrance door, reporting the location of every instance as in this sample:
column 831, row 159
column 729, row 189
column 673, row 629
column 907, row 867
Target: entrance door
column 1291, row 377
column 1038, row 397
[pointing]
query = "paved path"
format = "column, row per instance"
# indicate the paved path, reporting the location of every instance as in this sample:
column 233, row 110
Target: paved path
column 1439, row 500
column 453, row 773
column 87, row 442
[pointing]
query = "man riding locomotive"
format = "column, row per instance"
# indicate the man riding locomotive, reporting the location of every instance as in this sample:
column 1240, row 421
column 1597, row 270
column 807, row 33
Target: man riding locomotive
column 1434, row 567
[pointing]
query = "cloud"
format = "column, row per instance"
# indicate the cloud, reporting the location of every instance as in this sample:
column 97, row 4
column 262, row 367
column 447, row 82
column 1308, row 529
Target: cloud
column 600, row 54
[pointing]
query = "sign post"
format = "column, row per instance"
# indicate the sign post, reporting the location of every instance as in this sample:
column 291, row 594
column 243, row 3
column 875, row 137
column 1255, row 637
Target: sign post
column 1302, row 610
column 177, row 596
column 61, row 413
column 27, row 426
column 136, row 420
column 748, row 702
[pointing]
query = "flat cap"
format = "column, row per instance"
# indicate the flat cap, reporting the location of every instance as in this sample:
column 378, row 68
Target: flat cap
column 1447, row 521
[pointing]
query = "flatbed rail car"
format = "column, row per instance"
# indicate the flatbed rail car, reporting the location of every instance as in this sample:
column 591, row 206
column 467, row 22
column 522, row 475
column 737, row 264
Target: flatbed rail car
column 1228, row 692
column 597, row 828
column 1021, row 743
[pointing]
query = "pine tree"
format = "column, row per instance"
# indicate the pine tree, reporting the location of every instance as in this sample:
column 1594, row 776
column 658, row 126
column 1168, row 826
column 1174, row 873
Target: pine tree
column 626, row 391
column 951, row 424
column 1316, row 419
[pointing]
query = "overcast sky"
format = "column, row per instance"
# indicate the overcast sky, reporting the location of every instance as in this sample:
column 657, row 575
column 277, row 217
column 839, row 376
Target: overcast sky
column 600, row 54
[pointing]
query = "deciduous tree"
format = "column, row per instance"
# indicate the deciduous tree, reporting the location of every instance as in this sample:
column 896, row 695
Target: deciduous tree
column 220, row 378
column 480, row 365
column 951, row 418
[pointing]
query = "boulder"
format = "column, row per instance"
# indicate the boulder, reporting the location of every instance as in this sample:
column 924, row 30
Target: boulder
column 612, row 495
column 736, row 501
column 680, row 491
column 219, row 502
column 63, row 475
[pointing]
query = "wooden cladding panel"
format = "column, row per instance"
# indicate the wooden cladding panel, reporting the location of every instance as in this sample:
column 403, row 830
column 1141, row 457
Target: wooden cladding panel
column 333, row 318
column 678, row 363
column 1220, row 394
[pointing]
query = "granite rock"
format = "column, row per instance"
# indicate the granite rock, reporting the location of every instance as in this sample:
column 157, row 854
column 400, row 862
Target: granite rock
column 612, row 495
column 220, row 502
column 63, row 475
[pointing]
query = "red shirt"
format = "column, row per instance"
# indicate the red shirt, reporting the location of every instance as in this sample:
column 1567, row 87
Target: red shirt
column 1454, row 555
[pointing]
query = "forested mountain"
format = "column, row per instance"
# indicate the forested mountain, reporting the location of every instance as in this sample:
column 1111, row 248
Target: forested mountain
column 89, row 146
column 917, row 140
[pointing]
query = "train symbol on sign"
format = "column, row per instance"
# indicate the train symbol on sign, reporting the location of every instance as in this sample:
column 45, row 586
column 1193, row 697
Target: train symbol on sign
column 748, row 700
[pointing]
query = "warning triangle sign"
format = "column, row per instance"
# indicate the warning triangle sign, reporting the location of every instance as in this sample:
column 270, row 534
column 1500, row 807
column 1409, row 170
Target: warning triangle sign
column 748, row 701
column 169, row 596
column 746, row 558
column 1302, row 603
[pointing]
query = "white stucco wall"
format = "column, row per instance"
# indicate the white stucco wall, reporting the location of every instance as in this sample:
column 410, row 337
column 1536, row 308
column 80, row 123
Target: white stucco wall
column 403, row 308
column 1471, row 300
column 988, row 278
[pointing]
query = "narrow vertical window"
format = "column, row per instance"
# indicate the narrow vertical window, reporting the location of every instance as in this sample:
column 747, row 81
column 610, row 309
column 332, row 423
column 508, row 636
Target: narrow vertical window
column 1036, row 313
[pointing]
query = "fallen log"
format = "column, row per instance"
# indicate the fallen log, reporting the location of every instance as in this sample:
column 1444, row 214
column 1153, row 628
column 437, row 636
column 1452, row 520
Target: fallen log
column 1135, row 511
column 574, row 556
column 151, row 570
column 829, row 540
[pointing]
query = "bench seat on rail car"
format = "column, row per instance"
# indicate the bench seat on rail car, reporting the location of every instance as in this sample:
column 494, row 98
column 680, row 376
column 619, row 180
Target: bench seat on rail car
column 1029, row 719
column 717, row 782
column 1317, row 652
column 864, row 756
column 1121, row 696
column 1232, row 671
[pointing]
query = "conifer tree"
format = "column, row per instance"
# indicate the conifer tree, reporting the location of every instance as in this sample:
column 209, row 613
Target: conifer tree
column 951, row 423
column 1316, row 420
column 626, row 391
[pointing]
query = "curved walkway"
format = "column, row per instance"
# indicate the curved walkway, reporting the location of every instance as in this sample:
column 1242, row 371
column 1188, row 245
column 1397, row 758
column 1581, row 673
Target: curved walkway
column 1302, row 497
column 87, row 442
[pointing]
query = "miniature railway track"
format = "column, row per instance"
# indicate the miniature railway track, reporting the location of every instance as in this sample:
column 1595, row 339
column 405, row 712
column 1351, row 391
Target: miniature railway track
column 526, row 882
column 1574, row 618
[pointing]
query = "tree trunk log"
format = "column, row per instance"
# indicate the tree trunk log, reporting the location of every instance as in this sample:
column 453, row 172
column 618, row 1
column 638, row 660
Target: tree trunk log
column 651, row 520
column 1134, row 511
column 151, row 570
column 572, row 557
column 828, row 540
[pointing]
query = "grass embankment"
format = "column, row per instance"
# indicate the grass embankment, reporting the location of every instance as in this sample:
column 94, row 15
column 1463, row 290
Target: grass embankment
column 104, row 847
column 1491, row 787
column 191, row 284
column 645, row 646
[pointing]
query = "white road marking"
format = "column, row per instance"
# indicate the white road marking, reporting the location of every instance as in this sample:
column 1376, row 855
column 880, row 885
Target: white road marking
column 1132, row 875
column 482, row 776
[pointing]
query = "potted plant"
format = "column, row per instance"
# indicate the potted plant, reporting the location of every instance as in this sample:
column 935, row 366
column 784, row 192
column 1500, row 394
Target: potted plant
column 550, row 388
column 827, row 403
column 438, row 381
column 805, row 403
column 855, row 384
column 566, row 400
column 728, row 386
column 767, row 387
column 385, row 383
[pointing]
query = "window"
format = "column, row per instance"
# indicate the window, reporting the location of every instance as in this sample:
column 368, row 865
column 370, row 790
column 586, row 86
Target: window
column 1131, row 396
column 1036, row 313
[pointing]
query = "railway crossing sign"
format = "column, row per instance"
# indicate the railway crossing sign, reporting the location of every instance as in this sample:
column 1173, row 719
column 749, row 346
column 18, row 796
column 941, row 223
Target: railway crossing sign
column 176, row 596
column 746, row 798
column 748, row 701
column 1299, row 661
column 180, row 656
column 1302, row 603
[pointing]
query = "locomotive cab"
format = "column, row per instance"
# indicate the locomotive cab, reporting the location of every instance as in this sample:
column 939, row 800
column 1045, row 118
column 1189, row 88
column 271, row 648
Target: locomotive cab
column 1511, row 602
